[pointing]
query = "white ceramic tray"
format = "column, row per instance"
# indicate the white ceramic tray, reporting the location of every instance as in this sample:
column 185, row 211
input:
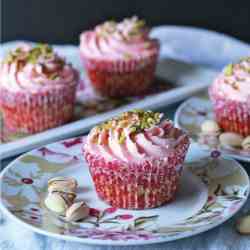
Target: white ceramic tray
column 187, row 79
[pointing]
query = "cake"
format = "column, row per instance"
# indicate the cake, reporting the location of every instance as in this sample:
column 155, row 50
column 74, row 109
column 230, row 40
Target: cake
column 119, row 58
column 37, row 89
column 230, row 96
column 136, row 159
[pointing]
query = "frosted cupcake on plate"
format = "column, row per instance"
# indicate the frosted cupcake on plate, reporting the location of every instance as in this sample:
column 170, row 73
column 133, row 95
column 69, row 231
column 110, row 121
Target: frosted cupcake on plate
column 37, row 89
column 120, row 58
column 230, row 95
column 136, row 159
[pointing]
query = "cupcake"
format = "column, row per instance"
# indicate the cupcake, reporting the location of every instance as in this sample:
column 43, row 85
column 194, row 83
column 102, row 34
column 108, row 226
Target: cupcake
column 120, row 58
column 37, row 89
column 230, row 95
column 136, row 159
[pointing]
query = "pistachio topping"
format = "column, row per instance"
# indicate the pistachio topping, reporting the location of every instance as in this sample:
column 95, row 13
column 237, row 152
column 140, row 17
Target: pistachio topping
column 228, row 71
column 122, row 138
column 41, row 50
column 14, row 55
column 40, row 54
column 126, row 30
column 136, row 121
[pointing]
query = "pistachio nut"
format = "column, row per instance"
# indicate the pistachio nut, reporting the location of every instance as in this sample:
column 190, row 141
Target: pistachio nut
column 56, row 203
column 246, row 143
column 243, row 225
column 62, row 183
column 231, row 139
column 69, row 197
column 210, row 127
column 77, row 211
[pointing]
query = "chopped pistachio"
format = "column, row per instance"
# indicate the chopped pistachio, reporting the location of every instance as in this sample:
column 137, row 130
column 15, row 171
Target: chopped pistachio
column 147, row 45
column 53, row 76
column 133, row 129
column 122, row 138
column 136, row 120
column 228, row 71
column 140, row 23
column 127, row 56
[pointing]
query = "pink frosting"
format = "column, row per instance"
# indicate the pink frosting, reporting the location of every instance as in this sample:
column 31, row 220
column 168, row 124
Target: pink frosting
column 118, row 41
column 234, row 85
column 21, row 75
column 153, row 143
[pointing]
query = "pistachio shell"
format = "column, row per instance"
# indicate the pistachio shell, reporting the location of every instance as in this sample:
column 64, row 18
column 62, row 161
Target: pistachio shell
column 60, row 183
column 69, row 197
column 243, row 225
column 210, row 127
column 246, row 143
column 77, row 211
column 231, row 139
column 56, row 203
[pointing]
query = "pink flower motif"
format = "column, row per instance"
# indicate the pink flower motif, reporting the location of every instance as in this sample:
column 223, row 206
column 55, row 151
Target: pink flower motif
column 94, row 212
column 27, row 181
column 111, row 235
column 70, row 143
column 46, row 151
column 211, row 199
column 215, row 154
column 75, row 158
column 34, row 209
column 201, row 113
column 110, row 210
column 124, row 216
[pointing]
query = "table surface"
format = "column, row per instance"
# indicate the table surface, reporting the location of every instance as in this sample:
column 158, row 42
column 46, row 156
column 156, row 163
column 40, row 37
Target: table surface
column 223, row 237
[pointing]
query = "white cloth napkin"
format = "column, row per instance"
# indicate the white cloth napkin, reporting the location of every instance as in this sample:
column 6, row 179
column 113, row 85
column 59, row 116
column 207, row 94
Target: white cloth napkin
column 184, row 43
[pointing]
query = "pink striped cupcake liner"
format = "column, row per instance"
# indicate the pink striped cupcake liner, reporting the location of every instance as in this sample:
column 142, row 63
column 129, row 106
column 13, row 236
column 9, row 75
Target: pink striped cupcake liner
column 138, row 185
column 35, row 112
column 121, row 78
column 232, row 116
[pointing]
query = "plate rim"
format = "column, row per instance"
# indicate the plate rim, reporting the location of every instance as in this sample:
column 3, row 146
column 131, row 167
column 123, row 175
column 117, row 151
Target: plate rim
column 90, row 241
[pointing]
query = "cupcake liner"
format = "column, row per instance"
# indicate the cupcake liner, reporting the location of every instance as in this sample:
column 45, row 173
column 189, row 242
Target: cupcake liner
column 35, row 112
column 148, row 184
column 232, row 116
column 121, row 78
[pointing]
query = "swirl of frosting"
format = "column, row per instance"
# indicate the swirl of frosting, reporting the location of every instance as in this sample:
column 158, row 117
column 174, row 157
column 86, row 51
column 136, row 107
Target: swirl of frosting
column 33, row 68
column 234, row 81
column 126, row 40
column 134, row 136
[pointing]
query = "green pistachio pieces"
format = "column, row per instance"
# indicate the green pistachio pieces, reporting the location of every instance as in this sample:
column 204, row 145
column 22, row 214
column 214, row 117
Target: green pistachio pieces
column 122, row 138
column 136, row 121
column 31, row 55
column 228, row 71
column 43, row 50
column 127, row 56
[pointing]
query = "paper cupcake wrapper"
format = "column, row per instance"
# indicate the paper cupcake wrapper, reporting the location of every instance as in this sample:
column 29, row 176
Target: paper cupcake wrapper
column 232, row 116
column 137, row 185
column 121, row 78
column 36, row 112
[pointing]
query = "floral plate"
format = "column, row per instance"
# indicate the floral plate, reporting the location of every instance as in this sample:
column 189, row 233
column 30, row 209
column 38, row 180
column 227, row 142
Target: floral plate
column 189, row 117
column 212, row 189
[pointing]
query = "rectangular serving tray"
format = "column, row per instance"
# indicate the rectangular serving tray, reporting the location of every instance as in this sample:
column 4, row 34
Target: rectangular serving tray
column 186, row 80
